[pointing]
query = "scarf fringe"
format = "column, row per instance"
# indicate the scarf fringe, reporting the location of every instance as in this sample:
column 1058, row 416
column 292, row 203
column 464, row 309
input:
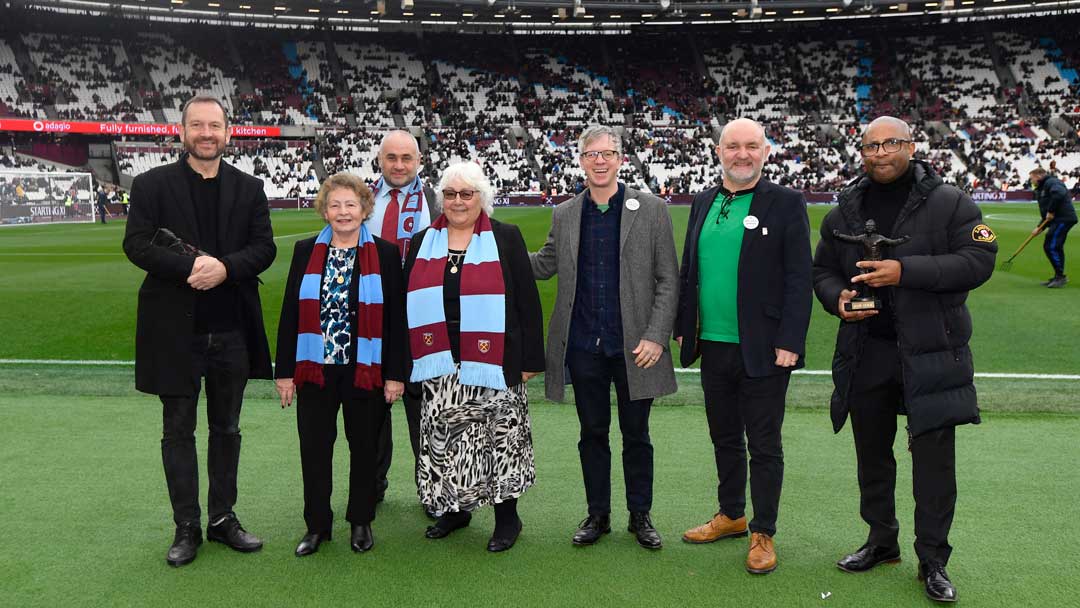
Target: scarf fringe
column 480, row 374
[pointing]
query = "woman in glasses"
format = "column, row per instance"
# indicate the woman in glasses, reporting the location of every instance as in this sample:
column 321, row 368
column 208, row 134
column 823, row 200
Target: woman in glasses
column 340, row 344
column 475, row 333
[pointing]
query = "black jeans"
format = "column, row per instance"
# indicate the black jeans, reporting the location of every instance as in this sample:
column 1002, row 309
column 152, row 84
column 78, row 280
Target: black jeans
column 221, row 358
column 316, row 423
column 385, row 449
column 592, row 375
column 876, row 398
column 737, row 405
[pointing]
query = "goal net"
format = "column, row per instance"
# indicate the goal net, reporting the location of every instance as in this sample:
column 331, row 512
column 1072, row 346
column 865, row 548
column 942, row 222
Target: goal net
column 34, row 197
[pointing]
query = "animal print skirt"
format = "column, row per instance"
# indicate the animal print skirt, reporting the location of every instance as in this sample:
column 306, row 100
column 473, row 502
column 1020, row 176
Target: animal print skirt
column 475, row 445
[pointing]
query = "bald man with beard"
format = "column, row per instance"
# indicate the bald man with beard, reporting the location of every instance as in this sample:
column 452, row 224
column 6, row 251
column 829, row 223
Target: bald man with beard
column 744, row 308
column 911, row 356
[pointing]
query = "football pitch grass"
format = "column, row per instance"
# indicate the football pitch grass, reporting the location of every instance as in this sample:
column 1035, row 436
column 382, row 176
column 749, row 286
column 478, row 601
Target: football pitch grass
column 86, row 517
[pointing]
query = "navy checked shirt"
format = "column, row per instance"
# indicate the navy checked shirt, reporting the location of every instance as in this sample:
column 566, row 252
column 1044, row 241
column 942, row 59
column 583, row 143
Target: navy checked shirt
column 596, row 321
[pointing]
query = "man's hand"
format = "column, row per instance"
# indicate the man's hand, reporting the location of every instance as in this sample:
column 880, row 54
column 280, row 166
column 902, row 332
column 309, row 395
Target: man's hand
column 856, row 315
column 392, row 390
column 648, row 353
column 678, row 340
column 207, row 273
column 286, row 390
column 526, row 376
column 885, row 273
column 786, row 358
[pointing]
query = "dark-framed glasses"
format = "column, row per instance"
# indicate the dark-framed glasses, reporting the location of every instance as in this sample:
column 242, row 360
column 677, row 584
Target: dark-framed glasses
column 889, row 145
column 594, row 154
column 465, row 195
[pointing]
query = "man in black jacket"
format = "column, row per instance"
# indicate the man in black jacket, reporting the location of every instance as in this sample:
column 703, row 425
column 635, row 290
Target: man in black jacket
column 1055, row 205
column 911, row 356
column 199, row 315
column 744, row 307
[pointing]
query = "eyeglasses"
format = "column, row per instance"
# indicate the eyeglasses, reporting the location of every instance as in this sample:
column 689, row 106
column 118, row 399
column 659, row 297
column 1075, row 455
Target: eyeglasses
column 890, row 145
column 465, row 195
column 594, row 154
column 725, row 206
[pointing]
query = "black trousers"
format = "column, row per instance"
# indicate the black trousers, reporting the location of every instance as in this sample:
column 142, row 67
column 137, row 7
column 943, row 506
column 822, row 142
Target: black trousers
column 316, row 423
column 737, row 405
column 1054, row 244
column 223, row 359
column 876, row 398
column 592, row 376
column 385, row 449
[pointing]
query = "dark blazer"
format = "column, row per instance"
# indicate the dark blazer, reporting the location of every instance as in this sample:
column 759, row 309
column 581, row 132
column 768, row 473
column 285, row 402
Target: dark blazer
column 161, row 198
column 395, row 340
column 775, row 280
column 523, row 349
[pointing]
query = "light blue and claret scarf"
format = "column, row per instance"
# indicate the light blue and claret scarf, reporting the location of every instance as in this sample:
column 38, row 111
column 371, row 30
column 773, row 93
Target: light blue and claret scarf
column 369, row 317
column 483, row 309
column 409, row 213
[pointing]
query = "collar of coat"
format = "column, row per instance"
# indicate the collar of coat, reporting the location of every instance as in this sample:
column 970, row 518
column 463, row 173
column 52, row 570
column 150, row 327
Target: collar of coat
column 925, row 181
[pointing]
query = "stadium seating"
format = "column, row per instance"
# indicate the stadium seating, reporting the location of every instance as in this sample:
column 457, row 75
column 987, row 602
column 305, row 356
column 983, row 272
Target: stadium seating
column 468, row 94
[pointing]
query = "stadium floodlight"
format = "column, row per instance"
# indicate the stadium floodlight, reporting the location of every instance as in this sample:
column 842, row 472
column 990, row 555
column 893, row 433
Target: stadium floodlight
column 491, row 2
column 35, row 197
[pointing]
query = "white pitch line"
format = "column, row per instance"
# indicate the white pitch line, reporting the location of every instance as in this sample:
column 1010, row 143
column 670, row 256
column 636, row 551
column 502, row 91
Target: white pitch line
column 679, row 370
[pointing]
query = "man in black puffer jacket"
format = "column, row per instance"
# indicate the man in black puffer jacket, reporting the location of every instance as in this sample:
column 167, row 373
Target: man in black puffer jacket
column 912, row 356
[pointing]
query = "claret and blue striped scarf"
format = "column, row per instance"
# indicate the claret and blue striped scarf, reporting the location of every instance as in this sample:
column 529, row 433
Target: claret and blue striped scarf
column 483, row 309
column 369, row 316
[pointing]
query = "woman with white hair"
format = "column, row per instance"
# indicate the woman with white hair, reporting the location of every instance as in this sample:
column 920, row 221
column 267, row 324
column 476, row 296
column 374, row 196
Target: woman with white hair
column 476, row 337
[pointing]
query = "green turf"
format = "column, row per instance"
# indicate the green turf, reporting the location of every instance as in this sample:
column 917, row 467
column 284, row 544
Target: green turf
column 86, row 517
column 86, row 512
column 75, row 277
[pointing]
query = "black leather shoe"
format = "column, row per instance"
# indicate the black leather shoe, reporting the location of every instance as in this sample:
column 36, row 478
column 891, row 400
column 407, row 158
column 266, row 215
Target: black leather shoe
column 229, row 532
column 641, row 526
column 310, row 543
column 430, row 514
column 867, row 557
column 499, row 543
column 447, row 524
column 938, row 586
column 362, row 539
column 185, row 545
column 591, row 529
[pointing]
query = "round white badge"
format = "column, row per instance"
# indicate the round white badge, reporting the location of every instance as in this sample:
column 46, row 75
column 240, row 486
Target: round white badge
column 750, row 222
column 632, row 204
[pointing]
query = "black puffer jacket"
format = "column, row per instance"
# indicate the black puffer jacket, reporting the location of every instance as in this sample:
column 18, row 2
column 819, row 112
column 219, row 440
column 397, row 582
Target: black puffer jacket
column 950, row 253
column 1054, row 198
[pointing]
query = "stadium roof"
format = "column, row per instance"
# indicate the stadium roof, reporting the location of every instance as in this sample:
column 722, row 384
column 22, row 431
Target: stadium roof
column 548, row 14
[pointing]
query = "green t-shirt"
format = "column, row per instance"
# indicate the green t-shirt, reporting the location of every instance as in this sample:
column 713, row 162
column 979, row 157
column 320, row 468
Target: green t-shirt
column 718, row 268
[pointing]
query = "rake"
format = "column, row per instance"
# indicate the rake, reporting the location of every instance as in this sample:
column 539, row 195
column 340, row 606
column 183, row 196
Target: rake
column 1007, row 264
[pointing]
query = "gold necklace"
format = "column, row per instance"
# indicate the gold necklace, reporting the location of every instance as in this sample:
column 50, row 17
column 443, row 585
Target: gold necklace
column 455, row 260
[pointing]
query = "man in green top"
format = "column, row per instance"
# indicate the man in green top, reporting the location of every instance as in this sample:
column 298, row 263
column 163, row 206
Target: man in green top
column 744, row 307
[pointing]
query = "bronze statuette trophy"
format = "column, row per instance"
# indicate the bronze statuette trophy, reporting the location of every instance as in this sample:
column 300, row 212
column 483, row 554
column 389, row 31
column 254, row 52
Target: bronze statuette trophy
column 872, row 243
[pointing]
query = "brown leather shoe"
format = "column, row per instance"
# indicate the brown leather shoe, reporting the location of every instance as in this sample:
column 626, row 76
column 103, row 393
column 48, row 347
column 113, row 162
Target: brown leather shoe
column 762, row 556
column 720, row 526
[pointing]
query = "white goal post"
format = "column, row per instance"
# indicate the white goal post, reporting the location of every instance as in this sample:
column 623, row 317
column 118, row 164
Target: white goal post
column 36, row 197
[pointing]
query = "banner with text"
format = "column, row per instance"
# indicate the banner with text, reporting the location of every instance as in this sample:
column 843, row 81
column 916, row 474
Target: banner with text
column 120, row 128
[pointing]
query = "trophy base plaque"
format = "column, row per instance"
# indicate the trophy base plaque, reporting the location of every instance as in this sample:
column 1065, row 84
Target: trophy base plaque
column 862, row 303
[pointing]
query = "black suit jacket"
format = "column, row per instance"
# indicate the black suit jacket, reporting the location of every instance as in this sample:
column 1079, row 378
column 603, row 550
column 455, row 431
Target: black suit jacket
column 775, row 279
column 395, row 339
column 523, row 348
column 161, row 198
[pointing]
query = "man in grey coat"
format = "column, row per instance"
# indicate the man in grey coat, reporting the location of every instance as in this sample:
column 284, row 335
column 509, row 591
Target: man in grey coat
column 613, row 249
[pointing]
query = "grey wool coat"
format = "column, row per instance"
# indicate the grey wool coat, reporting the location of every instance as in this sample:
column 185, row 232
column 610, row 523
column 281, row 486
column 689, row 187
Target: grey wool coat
column 648, row 289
